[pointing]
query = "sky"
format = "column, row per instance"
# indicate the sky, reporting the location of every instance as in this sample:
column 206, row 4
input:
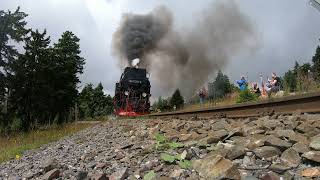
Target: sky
column 288, row 31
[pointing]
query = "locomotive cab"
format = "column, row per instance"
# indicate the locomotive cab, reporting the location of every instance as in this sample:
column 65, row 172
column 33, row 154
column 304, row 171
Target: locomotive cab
column 132, row 93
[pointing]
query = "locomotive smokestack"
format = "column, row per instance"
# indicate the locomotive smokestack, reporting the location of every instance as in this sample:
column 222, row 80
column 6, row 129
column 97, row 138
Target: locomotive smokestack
column 135, row 62
column 184, row 58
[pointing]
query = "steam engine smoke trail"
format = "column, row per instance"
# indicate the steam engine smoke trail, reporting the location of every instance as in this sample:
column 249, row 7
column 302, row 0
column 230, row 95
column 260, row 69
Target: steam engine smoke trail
column 183, row 59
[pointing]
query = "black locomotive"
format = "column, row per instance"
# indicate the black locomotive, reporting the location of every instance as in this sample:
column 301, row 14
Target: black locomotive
column 132, row 93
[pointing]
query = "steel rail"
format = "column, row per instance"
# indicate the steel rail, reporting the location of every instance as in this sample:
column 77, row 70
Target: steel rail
column 306, row 103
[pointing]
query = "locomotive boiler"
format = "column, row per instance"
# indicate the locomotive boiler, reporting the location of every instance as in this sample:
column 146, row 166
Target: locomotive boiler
column 132, row 93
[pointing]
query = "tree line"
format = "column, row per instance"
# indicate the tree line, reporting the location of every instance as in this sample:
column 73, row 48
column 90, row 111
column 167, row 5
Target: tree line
column 220, row 87
column 176, row 101
column 303, row 77
column 217, row 89
column 39, row 83
column 93, row 102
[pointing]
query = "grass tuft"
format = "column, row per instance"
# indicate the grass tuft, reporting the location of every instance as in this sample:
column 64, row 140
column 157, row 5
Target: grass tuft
column 14, row 145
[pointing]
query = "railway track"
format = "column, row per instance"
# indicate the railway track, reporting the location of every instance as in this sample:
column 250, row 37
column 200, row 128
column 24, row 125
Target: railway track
column 307, row 103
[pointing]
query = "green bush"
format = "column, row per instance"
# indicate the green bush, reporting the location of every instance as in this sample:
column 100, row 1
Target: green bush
column 246, row 96
column 162, row 104
column 16, row 124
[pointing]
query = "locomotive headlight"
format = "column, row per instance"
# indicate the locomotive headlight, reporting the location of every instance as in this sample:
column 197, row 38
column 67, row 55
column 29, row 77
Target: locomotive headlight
column 126, row 93
column 144, row 94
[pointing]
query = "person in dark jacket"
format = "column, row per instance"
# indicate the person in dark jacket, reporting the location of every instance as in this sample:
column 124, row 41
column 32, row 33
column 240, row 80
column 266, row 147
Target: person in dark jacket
column 202, row 94
column 274, row 84
column 256, row 89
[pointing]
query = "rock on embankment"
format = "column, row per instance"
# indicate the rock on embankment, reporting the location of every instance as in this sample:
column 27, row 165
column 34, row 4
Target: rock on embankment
column 276, row 147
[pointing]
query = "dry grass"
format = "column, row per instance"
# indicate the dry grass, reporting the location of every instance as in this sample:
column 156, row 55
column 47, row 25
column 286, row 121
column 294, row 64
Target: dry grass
column 15, row 145
column 232, row 99
column 229, row 100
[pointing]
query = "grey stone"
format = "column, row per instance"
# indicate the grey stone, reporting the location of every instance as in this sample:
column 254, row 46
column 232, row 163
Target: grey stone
column 14, row 178
column 284, row 133
column 271, row 124
column 120, row 174
column 312, row 155
column 91, row 165
column 300, row 147
column 291, row 157
column 82, row 175
column 249, row 178
column 100, row 176
column 150, row 165
column 304, row 127
column 52, row 174
column 222, row 124
column 236, row 152
column 277, row 142
column 246, row 161
column 216, row 136
column 271, row 176
column 311, row 172
column 279, row 167
column 49, row 164
column 29, row 175
column 176, row 173
column 21, row 165
column 267, row 151
column 315, row 143
column 235, row 132
column 216, row 167
column 100, row 165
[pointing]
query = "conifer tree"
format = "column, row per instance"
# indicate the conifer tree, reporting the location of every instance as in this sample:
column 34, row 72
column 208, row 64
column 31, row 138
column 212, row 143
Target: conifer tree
column 30, row 87
column 12, row 28
column 176, row 99
column 316, row 65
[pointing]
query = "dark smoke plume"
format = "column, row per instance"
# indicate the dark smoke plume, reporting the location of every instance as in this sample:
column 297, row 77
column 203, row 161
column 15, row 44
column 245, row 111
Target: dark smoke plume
column 138, row 35
column 183, row 59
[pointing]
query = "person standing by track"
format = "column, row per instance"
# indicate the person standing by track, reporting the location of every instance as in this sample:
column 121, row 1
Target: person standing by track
column 202, row 95
column 242, row 83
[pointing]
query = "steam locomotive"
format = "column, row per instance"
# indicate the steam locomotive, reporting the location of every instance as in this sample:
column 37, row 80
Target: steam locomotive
column 132, row 93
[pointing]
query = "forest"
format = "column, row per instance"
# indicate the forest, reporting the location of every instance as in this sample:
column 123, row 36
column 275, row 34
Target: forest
column 39, row 79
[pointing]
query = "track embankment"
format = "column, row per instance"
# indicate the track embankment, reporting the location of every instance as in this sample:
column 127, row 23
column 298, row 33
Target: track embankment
column 226, row 143
column 167, row 148
column 307, row 103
